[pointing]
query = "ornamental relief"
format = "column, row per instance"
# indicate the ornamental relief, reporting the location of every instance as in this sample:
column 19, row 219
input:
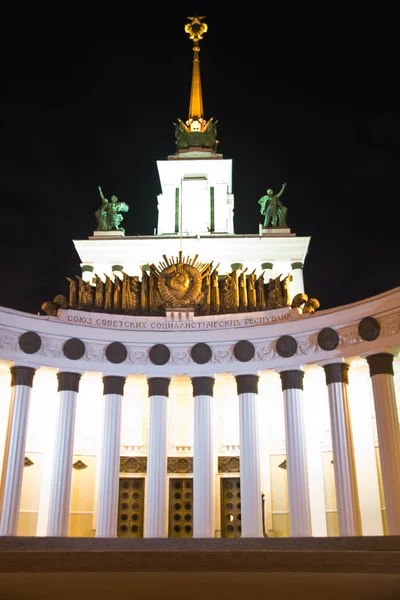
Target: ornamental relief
column 181, row 357
column 266, row 352
column 228, row 464
column 133, row 464
column 9, row 341
column 138, row 356
column 180, row 465
column 308, row 345
column 349, row 336
column 51, row 348
column 222, row 355
column 390, row 325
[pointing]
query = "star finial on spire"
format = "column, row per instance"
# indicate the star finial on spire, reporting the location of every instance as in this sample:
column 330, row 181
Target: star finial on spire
column 195, row 29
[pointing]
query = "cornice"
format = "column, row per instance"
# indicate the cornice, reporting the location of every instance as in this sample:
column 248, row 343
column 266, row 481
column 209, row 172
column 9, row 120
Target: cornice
column 385, row 308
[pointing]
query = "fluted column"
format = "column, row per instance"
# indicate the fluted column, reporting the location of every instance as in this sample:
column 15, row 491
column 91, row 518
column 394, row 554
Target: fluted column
column 108, row 467
column 60, row 487
column 156, row 486
column 349, row 521
column 14, row 451
column 387, row 422
column 203, row 458
column 250, row 475
column 296, row 457
column 297, row 286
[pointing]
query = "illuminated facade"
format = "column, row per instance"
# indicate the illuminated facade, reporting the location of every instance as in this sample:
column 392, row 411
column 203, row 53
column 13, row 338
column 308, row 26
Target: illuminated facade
column 188, row 414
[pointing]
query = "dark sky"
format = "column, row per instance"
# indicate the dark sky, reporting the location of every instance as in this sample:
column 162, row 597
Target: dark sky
column 304, row 93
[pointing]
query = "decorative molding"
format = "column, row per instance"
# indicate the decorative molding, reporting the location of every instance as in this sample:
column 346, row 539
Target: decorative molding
column 228, row 464
column 247, row 384
column 28, row 462
column 68, row 382
column 222, row 354
column 113, row 384
column 292, row 379
column 133, row 464
column 203, row 386
column 22, row 376
column 158, row 386
column 380, row 363
column 336, row 373
column 283, row 465
column 79, row 465
column 180, row 465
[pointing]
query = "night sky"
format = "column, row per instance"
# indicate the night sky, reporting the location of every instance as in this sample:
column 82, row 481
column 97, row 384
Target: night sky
column 304, row 93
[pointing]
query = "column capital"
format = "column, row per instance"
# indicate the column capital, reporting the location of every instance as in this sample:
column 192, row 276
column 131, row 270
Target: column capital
column 203, row 386
column 292, row 379
column 158, row 386
column 380, row 364
column 113, row 384
column 68, row 382
column 22, row 375
column 336, row 372
column 247, row 384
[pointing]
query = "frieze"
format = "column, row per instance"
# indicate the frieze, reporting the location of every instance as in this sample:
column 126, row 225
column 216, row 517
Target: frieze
column 9, row 341
column 180, row 465
column 223, row 354
column 133, row 464
column 228, row 464
column 163, row 324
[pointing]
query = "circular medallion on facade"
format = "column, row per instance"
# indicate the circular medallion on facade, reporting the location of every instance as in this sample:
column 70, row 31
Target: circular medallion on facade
column 201, row 353
column 74, row 349
column 369, row 329
column 286, row 346
column 179, row 285
column 328, row 339
column 30, row 342
column 116, row 353
column 244, row 351
column 159, row 354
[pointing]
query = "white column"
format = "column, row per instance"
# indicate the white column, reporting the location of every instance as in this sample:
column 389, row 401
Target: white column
column 155, row 524
column 296, row 456
column 60, row 487
column 14, row 452
column 387, row 422
column 349, row 521
column 109, row 456
column 297, row 286
column 203, row 458
column 250, row 475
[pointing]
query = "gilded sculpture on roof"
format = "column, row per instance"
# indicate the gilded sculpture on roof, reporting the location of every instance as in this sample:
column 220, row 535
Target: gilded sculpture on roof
column 180, row 282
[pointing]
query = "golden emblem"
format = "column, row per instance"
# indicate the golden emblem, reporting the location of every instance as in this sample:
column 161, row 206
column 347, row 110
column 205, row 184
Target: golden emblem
column 179, row 282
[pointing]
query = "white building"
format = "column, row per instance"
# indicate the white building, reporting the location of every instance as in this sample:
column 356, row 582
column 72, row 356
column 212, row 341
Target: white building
column 221, row 424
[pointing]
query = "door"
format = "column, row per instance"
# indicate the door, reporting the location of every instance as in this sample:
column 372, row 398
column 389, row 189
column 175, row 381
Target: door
column 180, row 508
column 130, row 507
column 231, row 526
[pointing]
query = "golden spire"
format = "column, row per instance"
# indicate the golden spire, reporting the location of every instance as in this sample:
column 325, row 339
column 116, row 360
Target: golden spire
column 195, row 29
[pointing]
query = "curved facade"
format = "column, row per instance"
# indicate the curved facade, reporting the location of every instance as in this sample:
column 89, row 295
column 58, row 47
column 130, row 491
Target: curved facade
column 266, row 401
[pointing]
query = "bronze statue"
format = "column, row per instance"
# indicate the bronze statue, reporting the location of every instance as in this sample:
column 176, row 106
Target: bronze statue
column 242, row 284
column 99, row 293
column 73, row 293
column 273, row 209
column 108, row 217
column 214, row 298
column 251, row 291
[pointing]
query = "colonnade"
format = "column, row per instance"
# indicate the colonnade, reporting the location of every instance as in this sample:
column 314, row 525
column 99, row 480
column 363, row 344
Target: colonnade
column 204, row 454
